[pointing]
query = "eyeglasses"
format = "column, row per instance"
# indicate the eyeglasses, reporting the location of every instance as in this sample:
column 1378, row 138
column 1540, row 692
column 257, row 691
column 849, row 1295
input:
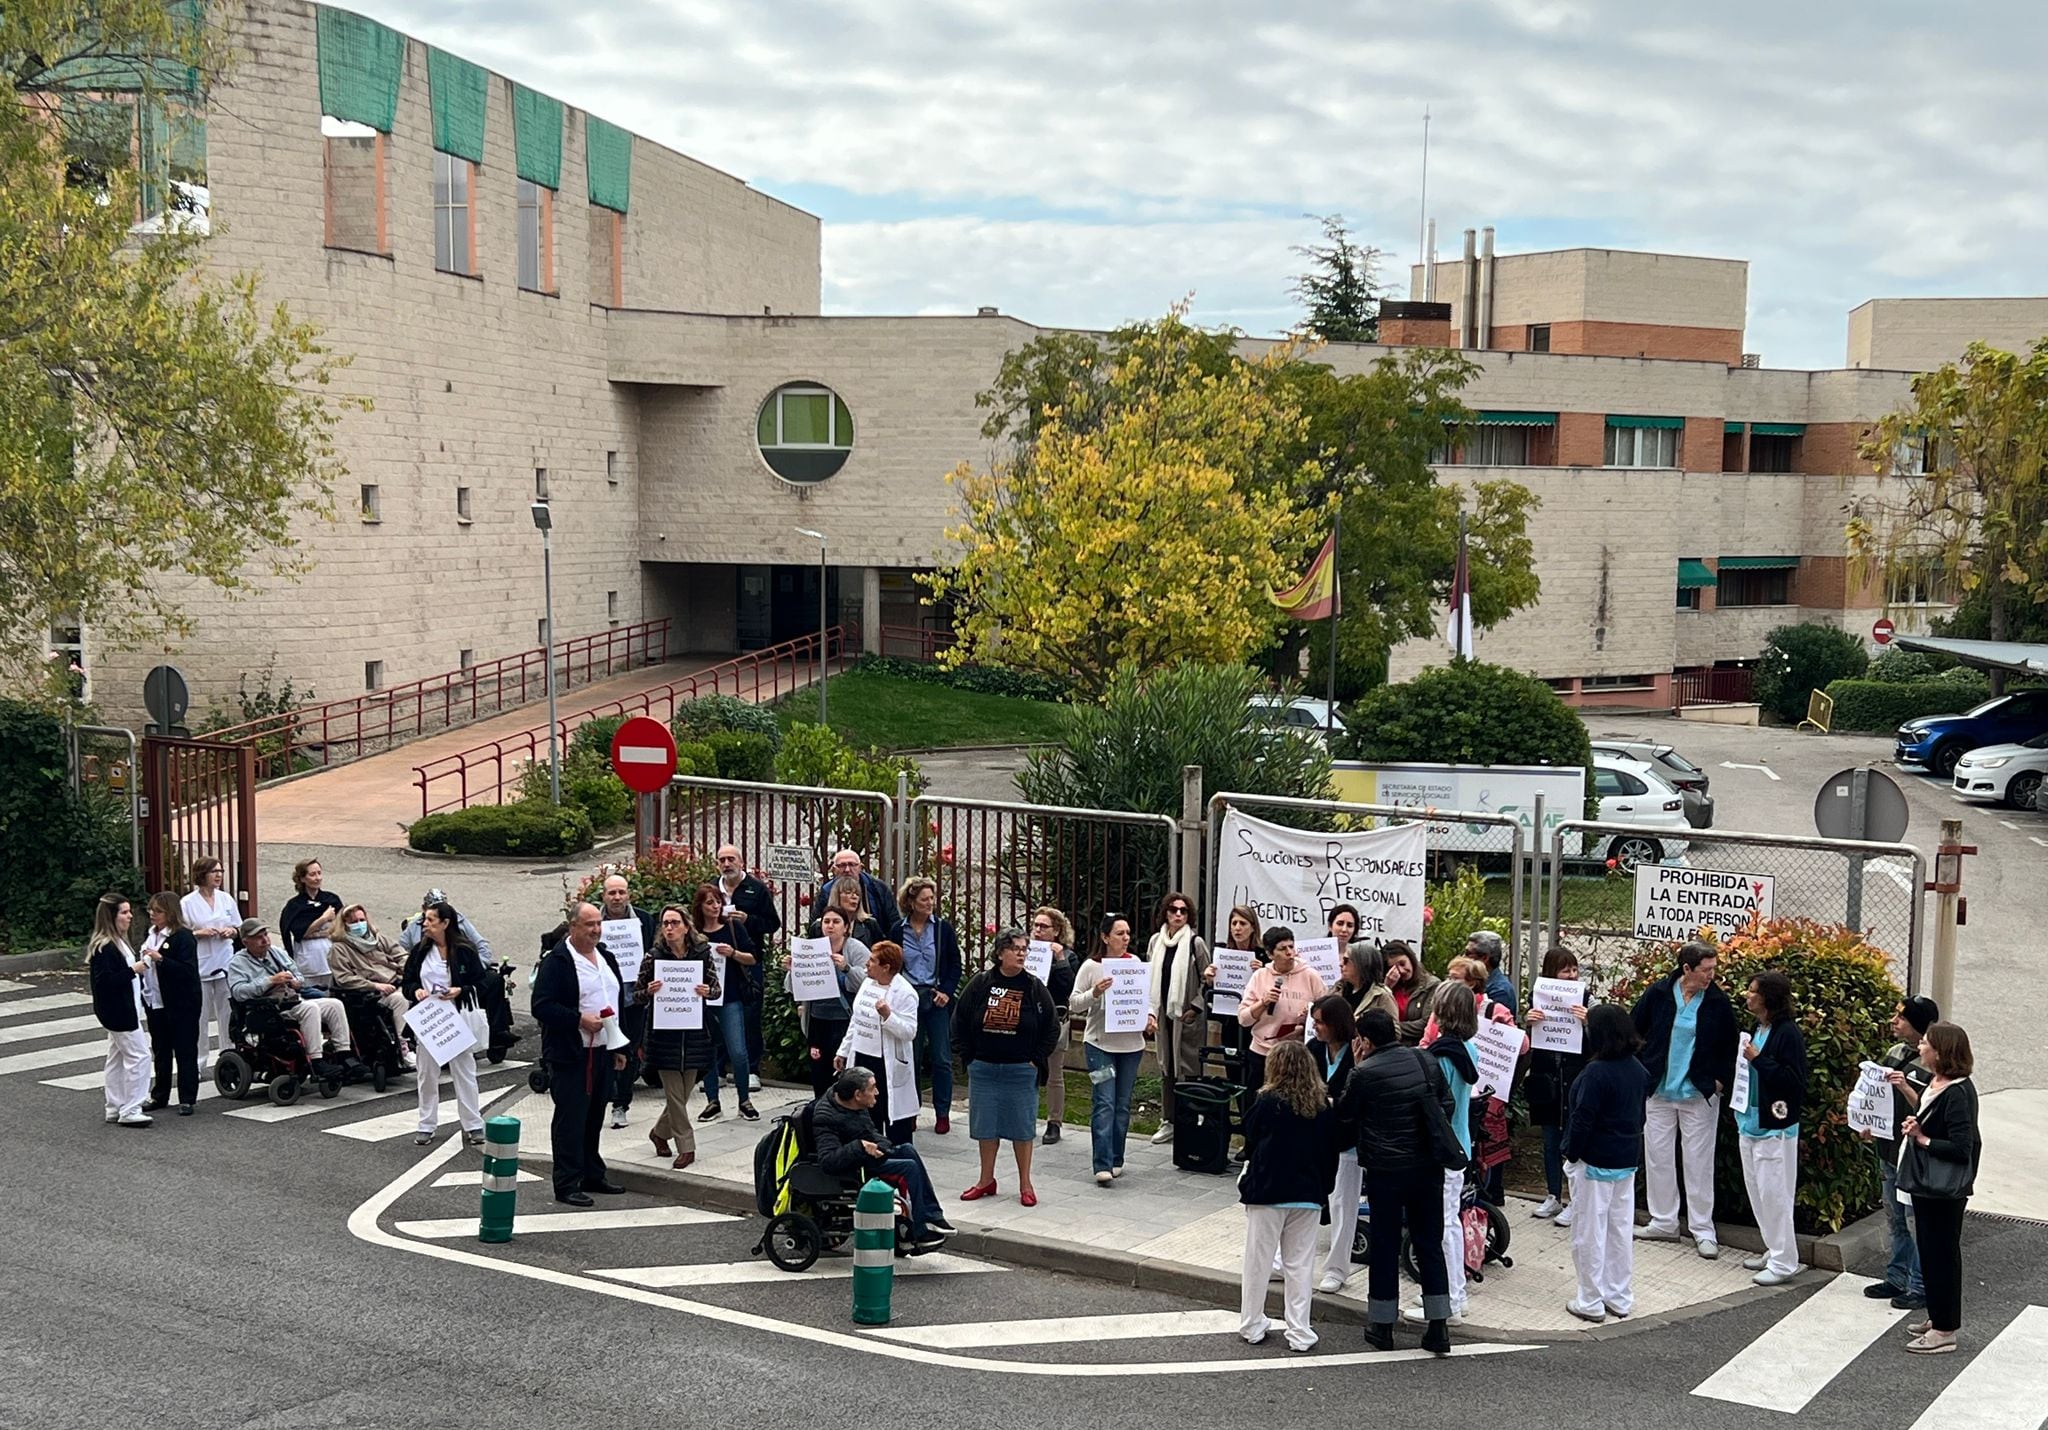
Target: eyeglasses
column 1181, row 909
column 671, row 920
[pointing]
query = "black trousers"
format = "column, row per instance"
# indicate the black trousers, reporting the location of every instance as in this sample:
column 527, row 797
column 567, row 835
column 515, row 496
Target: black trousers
column 578, row 1119
column 1254, row 1079
column 825, row 1037
column 633, row 1023
column 174, row 1034
column 1416, row 1197
column 1938, row 1232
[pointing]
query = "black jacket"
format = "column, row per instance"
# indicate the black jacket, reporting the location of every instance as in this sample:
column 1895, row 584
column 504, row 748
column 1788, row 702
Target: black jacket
column 177, row 974
column 677, row 1049
column 888, row 919
column 836, row 1135
column 465, row 971
column 753, row 899
column 1603, row 1125
column 1290, row 1158
column 1023, row 1033
column 742, row 980
column 113, row 990
column 1059, row 981
column 1384, row 1100
column 1779, row 1092
column 1334, row 1079
column 558, row 1002
column 1549, row 1084
column 1950, row 1122
column 299, row 914
column 1713, row 1045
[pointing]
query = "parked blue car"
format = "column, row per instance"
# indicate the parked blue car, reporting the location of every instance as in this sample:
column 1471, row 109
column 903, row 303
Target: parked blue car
column 1936, row 742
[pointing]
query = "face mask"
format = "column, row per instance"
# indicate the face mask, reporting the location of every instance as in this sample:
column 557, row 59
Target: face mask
column 359, row 929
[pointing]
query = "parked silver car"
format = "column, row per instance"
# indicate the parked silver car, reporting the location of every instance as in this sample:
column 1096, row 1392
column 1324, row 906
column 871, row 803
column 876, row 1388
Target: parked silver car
column 1675, row 769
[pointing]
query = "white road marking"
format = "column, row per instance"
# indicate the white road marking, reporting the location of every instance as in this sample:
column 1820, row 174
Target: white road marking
column 49, row 1003
column 2008, row 824
column 53, row 1057
column 94, row 1081
column 362, row 1224
column 531, row 1223
column 475, row 1179
column 2005, row 1387
column 2039, row 840
column 48, row 1028
column 1059, row 1330
column 742, row 1273
column 8, row 985
column 400, row 1124
column 1765, row 770
column 354, row 1095
column 1793, row 1361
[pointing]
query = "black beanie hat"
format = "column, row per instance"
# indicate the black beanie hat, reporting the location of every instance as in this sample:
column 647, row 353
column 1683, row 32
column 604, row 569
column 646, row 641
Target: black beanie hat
column 1922, row 1013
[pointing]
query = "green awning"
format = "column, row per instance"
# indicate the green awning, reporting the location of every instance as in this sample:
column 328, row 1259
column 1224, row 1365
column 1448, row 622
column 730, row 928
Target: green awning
column 1779, row 429
column 456, row 89
column 1515, row 419
column 360, row 63
column 608, row 156
column 1758, row 563
column 537, row 137
column 1617, row 421
column 1731, row 428
column 1693, row 574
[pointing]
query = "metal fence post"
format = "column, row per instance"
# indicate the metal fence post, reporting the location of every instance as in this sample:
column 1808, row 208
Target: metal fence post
column 1536, row 874
column 901, row 834
column 1190, row 826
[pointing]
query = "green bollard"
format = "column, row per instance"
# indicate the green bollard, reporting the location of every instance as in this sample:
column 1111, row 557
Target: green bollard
column 874, row 1253
column 500, row 1179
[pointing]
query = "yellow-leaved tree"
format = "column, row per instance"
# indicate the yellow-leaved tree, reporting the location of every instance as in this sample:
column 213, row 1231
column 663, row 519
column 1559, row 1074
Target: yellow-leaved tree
column 1152, row 534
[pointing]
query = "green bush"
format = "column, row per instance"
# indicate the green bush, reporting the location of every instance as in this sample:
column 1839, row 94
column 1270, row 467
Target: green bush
column 742, row 755
column 695, row 757
column 1799, row 660
column 1469, row 712
column 1897, row 666
column 1843, row 995
column 1456, row 912
column 1881, row 705
column 782, row 1035
column 816, row 755
column 527, row 828
column 58, row 851
column 666, row 874
column 712, row 714
column 587, row 783
column 987, row 679
column 594, row 737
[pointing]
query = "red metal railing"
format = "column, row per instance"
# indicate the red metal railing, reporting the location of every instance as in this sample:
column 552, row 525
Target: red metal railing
column 1722, row 685
column 342, row 730
column 913, row 642
column 481, row 774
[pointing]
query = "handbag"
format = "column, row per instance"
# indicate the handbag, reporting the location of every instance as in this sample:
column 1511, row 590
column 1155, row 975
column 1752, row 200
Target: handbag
column 1922, row 1174
column 1444, row 1147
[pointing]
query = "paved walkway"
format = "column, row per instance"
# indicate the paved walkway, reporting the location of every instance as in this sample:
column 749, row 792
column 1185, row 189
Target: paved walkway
column 1157, row 1226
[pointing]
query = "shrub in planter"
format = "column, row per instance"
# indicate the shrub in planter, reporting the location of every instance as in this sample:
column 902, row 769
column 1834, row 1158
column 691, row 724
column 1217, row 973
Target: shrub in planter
column 742, row 755
column 711, row 714
column 1801, row 659
column 587, row 782
column 1843, row 995
column 1881, row 705
column 665, row 874
column 1456, row 911
column 527, row 827
column 1469, row 712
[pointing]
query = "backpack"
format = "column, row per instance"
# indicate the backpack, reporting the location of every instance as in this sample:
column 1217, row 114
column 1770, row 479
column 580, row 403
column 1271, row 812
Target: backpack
column 774, row 1155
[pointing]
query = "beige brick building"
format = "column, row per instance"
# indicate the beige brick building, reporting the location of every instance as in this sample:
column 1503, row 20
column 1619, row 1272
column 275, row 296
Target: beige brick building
column 642, row 346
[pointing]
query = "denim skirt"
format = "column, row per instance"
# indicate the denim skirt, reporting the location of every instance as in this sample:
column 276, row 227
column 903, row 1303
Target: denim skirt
column 1002, row 1102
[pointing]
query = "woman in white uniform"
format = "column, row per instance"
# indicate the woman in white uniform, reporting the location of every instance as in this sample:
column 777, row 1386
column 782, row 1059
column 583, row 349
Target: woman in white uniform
column 446, row 968
column 213, row 917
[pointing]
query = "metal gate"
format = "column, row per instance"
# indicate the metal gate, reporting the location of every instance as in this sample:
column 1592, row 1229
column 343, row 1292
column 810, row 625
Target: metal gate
column 199, row 800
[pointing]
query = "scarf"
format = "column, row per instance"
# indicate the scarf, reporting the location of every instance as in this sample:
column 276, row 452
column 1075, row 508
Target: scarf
column 1172, row 981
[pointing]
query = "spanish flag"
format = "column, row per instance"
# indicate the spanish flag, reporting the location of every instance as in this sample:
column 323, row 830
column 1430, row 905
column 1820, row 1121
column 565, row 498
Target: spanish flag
column 1315, row 596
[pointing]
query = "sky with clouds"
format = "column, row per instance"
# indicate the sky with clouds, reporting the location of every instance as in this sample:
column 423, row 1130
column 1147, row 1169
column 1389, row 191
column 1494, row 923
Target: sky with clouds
column 1078, row 163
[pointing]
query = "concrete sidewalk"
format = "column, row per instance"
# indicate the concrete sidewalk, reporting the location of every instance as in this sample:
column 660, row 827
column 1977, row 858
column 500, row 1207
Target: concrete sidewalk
column 1156, row 1227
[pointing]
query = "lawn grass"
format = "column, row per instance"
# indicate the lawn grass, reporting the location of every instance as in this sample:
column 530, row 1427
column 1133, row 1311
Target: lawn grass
column 893, row 714
column 1584, row 901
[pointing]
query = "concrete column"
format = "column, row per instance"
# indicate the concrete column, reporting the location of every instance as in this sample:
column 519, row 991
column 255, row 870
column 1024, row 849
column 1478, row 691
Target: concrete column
column 871, row 609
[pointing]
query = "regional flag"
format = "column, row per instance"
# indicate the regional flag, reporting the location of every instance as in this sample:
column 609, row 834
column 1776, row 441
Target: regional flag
column 1315, row 596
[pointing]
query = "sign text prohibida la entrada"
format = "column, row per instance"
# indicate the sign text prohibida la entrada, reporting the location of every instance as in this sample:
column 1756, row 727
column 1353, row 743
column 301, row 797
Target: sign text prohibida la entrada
column 1674, row 902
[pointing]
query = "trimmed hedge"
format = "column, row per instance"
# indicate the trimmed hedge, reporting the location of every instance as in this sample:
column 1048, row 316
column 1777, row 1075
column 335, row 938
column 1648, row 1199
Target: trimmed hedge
column 527, row 827
column 696, row 719
column 696, row 757
column 742, row 755
column 987, row 679
column 1880, row 705
column 1798, row 660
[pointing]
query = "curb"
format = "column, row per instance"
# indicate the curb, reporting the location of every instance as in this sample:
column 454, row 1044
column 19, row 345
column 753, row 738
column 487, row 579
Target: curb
column 67, row 960
column 615, row 841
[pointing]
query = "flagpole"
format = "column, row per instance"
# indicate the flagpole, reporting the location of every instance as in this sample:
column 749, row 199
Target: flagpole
column 1336, row 609
column 1464, row 596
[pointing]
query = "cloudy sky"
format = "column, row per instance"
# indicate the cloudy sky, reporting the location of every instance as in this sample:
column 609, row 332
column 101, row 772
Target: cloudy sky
column 1083, row 163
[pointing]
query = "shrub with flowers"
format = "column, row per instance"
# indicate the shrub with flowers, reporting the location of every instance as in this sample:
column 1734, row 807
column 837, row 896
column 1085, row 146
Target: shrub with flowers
column 1843, row 996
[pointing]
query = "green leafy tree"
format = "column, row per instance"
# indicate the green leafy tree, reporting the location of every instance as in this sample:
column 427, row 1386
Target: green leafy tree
column 1341, row 288
column 1801, row 659
column 1469, row 712
column 158, row 425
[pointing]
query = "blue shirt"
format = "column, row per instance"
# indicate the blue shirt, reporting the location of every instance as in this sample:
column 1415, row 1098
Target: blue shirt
column 1748, row 1121
column 921, row 952
column 1461, row 1099
column 1500, row 990
column 1609, row 1174
column 1677, row 1085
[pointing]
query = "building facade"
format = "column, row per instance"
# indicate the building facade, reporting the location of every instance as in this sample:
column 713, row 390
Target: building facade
column 540, row 306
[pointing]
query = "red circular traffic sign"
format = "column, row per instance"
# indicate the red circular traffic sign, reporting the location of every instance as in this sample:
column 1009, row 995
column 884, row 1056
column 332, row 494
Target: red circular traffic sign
column 1883, row 631
column 644, row 755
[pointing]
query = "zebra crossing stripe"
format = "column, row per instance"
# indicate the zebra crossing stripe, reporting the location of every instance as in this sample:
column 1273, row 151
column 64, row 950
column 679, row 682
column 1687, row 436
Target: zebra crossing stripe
column 1786, row 1366
column 48, row 1028
column 53, row 1057
column 50, row 1003
column 2005, row 1385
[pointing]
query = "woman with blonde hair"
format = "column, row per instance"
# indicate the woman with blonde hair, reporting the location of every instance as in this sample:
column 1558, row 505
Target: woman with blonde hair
column 1050, row 925
column 1290, row 1169
column 1457, row 1023
column 116, row 973
column 847, row 896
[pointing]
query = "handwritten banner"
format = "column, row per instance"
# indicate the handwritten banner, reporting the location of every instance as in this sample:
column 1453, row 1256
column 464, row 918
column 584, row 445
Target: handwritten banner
column 1038, row 959
column 1870, row 1102
column 811, row 974
column 1738, row 1095
column 443, row 1033
column 1496, row 1048
column 1124, row 1007
column 1293, row 877
column 1559, row 1032
column 1324, row 956
column 624, row 937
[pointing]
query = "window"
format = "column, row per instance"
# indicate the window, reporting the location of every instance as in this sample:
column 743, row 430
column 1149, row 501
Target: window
column 372, row 504
column 536, row 237
column 373, row 675
column 540, row 632
column 540, row 483
column 454, row 215
column 1498, row 447
column 607, row 257
column 1922, row 453
column 67, row 652
column 1922, row 582
column 1773, row 454
column 1611, row 783
column 1642, row 446
column 161, row 140
column 1772, row 587
column 1688, row 598
column 611, row 468
column 805, row 432
column 357, row 212
column 462, row 512
column 611, row 607
column 466, row 659
column 1539, row 337
column 1617, row 682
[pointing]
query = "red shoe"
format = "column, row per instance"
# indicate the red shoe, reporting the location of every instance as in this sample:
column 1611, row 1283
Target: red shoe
column 1027, row 1198
column 943, row 1125
column 975, row 1194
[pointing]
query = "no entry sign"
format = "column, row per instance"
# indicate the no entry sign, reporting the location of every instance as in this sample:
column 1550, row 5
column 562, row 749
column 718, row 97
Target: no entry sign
column 1883, row 631
column 644, row 755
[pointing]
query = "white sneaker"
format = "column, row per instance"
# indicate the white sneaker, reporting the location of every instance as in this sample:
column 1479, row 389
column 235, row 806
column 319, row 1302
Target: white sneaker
column 1564, row 1218
column 1102, row 1179
column 1708, row 1248
column 134, row 1119
column 1768, row 1277
column 753, row 1082
column 1755, row 1263
column 618, row 1117
column 1162, row 1136
column 1596, row 1314
column 1331, row 1282
column 1550, row 1207
column 1116, row 1171
column 1413, row 1315
column 1648, row 1232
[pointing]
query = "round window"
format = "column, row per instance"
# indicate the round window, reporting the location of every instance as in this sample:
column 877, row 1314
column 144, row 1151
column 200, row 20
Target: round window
column 804, row 431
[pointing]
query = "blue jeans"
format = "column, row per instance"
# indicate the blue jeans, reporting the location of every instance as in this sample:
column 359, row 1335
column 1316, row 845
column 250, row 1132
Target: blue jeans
column 904, row 1163
column 933, row 1050
column 1109, row 1113
column 730, row 1046
column 1904, row 1271
column 1553, row 1160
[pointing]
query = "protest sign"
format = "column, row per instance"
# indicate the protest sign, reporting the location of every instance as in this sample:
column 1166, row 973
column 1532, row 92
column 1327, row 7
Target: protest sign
column 1738, row 1095
column 1124, row 1007
column 1233, row 971
column 1870, row 1102
column 1293, row 877
column 1674, row 901
column 677, row 1005
column 624, row 937
column 1559, row 1032
column 1038, row 959
column 811, row 974
column 1496, row 1049
column 1324, row 956
column 718, row 967
column 443, row 1033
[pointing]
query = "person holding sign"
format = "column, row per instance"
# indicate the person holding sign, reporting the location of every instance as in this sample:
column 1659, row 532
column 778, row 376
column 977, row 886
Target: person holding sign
column 1603, row 1145
column 1225, row 990
column 1113, row 1057
column 1687, row 1027
column 1551, row 1073
column 1005, row 1027
column 1767, row 1124
column 1179, row 960
column 931, row 956
column 1490, row 1116
column 880, row 1036
column 825, row 1016
column 681, row 1057
column 444, row 967
column 734, row 958
column 750, row 905
column 1275, row 1005
column 1457, row 1024
column 1938, row 1159
column 1049, row 925
column 575, row 996
column 1908, row 1078
column 628, row 933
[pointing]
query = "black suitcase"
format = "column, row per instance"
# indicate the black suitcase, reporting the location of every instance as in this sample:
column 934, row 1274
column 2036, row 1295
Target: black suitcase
column 1201, row 1124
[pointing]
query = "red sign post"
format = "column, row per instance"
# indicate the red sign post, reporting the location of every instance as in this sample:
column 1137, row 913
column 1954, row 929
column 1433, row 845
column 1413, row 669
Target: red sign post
column 1883, row 631
column 644, row 755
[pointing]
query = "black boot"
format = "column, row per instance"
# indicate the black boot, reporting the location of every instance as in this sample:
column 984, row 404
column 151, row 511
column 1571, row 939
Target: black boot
column 1437, row 1338
column 1379, row 1336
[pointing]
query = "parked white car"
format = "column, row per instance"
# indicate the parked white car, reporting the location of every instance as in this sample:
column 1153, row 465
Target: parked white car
column 2009, row 774
column 1300, row 714
column 1630, row 792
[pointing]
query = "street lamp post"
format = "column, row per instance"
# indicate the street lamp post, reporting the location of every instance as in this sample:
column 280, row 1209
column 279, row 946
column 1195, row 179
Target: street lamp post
column 545, row 521
column 819, row 537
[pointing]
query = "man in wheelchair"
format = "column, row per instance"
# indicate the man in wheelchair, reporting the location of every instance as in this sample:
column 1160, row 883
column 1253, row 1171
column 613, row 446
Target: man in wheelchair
column 843, row 1131
column 259, row 973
